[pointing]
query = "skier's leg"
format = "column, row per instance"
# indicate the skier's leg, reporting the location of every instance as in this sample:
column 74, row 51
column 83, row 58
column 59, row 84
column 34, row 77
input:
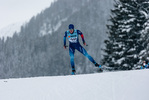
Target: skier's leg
column 84, row 52
column 71, row 53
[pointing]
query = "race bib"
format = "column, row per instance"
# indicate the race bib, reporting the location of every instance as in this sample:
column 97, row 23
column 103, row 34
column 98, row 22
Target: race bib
column 73, row 40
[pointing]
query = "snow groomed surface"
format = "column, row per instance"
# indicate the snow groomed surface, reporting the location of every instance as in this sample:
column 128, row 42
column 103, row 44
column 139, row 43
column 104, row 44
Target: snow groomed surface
column 127, row 85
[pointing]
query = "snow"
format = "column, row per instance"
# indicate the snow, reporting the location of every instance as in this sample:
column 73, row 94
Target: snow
column 15, row 13
column 43, row 30
column 52, row 29
column 120, row 60
column 130, row 20
column 126, row 30
column 146, row 26
column 56, row 27
column 128, row 85
column 8, row 31
column 145, row 14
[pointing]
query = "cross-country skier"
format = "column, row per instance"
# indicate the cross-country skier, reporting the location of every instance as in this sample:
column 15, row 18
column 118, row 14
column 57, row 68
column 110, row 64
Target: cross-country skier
column 73, row 37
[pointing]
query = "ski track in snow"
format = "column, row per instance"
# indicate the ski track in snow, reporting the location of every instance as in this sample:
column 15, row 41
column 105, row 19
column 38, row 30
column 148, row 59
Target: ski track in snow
column 127, row 85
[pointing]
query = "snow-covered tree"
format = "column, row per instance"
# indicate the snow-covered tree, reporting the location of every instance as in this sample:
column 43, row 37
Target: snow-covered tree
column 124, row 43
column 144, row 54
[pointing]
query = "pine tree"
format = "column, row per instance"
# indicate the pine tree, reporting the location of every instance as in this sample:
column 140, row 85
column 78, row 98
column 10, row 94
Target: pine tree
column 124, row 43
column 144, row 54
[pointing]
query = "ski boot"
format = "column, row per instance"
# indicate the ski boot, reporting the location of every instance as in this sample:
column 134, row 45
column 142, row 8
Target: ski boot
column 73, row 72
column 99, row 66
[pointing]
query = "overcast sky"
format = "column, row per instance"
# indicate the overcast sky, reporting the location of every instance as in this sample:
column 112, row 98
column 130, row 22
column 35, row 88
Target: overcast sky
column 13, row 11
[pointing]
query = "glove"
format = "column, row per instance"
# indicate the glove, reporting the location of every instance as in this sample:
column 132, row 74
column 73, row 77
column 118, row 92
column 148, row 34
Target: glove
column 65, row 47
column 84, row 43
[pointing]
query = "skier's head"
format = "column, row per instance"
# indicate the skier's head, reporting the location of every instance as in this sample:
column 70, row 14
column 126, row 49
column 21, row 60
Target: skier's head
column 71, row 28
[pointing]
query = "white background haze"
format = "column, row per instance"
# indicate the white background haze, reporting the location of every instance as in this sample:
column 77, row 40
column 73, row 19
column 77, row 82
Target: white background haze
column 13, row 11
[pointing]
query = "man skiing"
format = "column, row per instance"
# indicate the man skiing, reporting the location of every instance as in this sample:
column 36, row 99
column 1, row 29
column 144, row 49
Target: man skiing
column 73, row 37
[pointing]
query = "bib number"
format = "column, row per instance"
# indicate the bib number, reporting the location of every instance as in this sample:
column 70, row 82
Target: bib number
column 73, row 40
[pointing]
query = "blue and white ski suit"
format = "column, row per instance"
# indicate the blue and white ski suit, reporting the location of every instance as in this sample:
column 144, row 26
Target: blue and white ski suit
column 74, row 44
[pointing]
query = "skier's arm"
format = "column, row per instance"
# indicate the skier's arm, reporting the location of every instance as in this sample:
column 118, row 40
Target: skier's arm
column 82, row 36
column 65, row 39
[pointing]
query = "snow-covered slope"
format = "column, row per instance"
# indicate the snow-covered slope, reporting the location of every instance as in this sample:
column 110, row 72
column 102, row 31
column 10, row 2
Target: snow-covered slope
column 8, row 31
column 129, row 85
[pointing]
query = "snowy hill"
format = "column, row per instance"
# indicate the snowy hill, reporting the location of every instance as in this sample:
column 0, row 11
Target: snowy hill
column 8, row 31
column 128, row 85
